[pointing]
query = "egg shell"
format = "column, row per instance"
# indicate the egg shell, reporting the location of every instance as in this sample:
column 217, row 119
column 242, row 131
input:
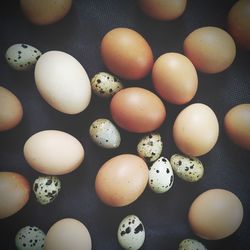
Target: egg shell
column 14, row 193
column 161, row 177
column 63, row 82
column 131, row 233
column 105, row 85
column 191, row 244
column 11, row 110
column 53, row 152
column 104, row 133
column 187, row 168
column 30, row 238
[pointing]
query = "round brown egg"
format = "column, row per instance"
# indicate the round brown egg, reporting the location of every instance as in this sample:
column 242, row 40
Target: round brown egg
column 210, row 49
column 126, row 53
column 121, row 180
column 215, row 214
column 237, row 125
column 175, row 78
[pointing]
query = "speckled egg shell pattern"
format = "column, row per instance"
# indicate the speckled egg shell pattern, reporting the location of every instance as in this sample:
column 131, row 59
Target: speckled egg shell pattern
column 30, row 238
column 46, row 188
column 190, row 244
column 187, row 168
column 161, row 176
column 150, row 147
column 22, row 56
column 131, row 233
column 105, row 85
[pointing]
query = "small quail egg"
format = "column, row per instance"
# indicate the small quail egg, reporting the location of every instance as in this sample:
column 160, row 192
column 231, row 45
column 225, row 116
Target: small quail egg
column 105, row 85
column 190, row 244
column 46, row 188
column 131, row 233
column 187, row 168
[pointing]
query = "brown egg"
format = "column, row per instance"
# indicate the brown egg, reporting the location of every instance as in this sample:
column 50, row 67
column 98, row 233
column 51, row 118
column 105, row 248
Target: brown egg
column 14, row 193
column 163, row 9
column 215, row 214
column 196, row 130
column 237, row 125
column 121, row 180
column 126, row 53
column 210, row 49
column 239, row 23
column 175, row 78
column 137, row 110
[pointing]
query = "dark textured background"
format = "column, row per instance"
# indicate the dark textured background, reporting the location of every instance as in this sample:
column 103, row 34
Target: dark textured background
column 79, row 34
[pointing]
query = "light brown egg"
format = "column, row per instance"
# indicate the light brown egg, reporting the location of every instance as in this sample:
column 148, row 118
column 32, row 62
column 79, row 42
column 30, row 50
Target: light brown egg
column 175, row 78
column 14, row 193
column 121, row 180
column 210, row 49
column 215, row 214
column 237, row 125
column 196, row 129
column 11, row 110
column 126, row 53
column 137, row 110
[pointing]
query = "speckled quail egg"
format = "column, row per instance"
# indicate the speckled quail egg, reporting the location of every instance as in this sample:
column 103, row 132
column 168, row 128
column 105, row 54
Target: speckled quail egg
column 30, row 238
column 190, row 244
column 46, row 188
column 187, row 168
column 104, row 133
column 105, row 85
column 150, row 147
column 131, row 233
column 22, row 56
column 161, row 176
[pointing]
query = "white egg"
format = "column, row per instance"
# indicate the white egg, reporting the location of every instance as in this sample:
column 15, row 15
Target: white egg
column 190, row 244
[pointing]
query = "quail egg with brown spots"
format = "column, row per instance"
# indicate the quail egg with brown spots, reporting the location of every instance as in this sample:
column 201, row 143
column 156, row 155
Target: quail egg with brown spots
column 190, row 244
column 131, row 233
column 105, row 85
column 161, row 176
column 187, row 168
column 46, row 188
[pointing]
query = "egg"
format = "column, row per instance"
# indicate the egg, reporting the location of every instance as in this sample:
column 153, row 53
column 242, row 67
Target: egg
column 210, row 49
column 187, row 168
column 121, row 180
column 215, row 214
column 126, row 53
column 237, row 125
column 105, row 85
column 53, row 152
column 191, row 244
column 137, row 110
column 131, row 233
column 42, row 12
column 161, row 177
column 104, row 133
column 163, row 9
column 196, row 129
column 62, row 82
column 150, row 147
column 22, row 56
column 30, row 238
column 46, row 188
column 14, row 193
column 175, row 78
column 11, row 110
column 68, row 234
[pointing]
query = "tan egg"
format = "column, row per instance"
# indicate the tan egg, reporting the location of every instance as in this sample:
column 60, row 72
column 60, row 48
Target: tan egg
column 11, row 110
column 215, row 214
column 68, row 234
column 237, row 125
column 175, row 78
column 126, row 53
column 210, row 49
column 137, row 110
column 14, row 193
column 121, row 180
column 42, row 12
column 196, row 129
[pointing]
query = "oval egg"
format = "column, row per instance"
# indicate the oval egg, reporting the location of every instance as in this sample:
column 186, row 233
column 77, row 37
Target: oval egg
column 191, row 244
